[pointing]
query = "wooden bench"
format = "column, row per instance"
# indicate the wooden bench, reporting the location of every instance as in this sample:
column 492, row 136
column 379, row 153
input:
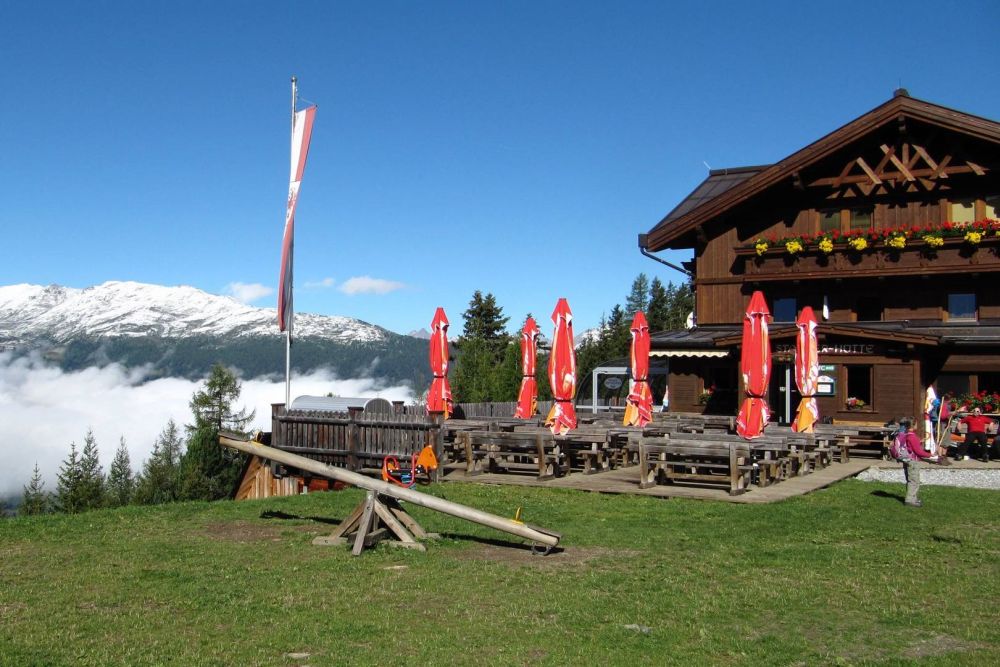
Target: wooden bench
column 773, row 460
column 512, row 452
column 727, row 464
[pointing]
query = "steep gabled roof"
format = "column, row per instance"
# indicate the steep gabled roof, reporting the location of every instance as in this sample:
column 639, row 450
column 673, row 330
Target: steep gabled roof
column 727, row 192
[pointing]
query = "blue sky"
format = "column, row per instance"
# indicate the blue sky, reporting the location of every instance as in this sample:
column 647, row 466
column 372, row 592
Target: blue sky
column 512, row 147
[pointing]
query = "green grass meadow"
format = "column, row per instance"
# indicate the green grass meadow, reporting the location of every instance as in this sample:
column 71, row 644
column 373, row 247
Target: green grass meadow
column 844, row 576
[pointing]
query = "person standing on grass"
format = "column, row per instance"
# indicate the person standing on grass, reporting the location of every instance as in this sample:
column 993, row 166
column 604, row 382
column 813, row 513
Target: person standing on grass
column 908, row 450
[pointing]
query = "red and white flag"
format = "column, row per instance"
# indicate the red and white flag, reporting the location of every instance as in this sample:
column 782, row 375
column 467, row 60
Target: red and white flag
column 301, row 133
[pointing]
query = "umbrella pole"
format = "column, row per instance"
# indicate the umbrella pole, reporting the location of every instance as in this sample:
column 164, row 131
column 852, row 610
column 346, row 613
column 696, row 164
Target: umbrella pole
column 288, row 367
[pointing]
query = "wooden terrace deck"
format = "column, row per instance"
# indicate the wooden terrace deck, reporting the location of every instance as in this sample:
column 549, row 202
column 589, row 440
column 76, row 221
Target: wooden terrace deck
column 626, row 480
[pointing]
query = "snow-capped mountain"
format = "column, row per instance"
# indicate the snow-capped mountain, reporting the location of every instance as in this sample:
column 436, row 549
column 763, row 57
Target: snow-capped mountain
column 587, row 336
column 130, row 309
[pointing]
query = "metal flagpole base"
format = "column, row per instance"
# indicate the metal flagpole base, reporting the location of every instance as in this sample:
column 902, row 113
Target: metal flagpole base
column 377, row 518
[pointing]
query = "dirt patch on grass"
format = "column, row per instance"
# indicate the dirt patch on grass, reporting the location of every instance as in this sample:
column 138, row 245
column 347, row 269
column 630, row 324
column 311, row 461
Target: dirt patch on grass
column 9, row 611
column 242, row 531
column 523, row 556
column 940, row 645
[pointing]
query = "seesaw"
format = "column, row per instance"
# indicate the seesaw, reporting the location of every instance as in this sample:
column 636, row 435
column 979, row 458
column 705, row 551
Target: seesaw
column 380, row 514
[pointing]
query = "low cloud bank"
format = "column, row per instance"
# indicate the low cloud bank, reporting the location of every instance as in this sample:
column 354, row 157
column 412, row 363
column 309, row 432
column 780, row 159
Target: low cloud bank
column 43, row 409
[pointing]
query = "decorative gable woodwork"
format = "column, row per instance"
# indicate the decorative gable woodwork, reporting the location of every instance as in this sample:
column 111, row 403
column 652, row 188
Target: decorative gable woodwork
column 906, row 167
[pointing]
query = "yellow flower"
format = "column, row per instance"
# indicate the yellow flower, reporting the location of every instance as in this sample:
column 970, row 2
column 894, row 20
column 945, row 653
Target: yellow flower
column 826, row 245
column 760, row 247
column 933, row 241
column 973, row 238
column 858, row 243
column 898, row 242
column 794, row 246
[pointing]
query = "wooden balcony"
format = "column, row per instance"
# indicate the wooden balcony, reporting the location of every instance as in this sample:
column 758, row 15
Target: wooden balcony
column 955, row 256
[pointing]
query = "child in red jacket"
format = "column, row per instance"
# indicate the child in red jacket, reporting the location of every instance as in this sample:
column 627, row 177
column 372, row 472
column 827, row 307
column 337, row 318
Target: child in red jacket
column 909, row 453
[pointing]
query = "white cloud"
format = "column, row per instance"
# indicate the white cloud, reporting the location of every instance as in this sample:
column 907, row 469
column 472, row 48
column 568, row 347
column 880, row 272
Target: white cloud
column 319, row 284
column 248, row 292
column 43, row 409
column 369, row 285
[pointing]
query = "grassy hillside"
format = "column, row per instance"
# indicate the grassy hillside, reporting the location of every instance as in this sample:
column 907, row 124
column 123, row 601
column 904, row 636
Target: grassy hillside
column 843, row 576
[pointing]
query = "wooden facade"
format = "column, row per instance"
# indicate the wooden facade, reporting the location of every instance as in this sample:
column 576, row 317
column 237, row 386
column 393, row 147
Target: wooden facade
column 894, row 319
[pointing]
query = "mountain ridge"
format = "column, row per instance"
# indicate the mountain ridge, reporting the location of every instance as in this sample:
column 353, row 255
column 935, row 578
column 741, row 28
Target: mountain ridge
column 182, row 331
column 126, row 308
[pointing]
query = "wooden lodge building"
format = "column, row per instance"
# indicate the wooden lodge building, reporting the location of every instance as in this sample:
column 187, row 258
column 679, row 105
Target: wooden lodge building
column 917, row 302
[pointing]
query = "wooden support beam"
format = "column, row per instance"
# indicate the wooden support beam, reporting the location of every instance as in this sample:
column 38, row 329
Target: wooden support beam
column 924, row 156
column 891, row 154
column 868, row 170
column 942, row 171
column 978, row 170
column 843, row 174
column 880, row 167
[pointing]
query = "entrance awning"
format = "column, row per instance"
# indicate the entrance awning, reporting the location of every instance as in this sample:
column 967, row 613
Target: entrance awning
column 689, row 353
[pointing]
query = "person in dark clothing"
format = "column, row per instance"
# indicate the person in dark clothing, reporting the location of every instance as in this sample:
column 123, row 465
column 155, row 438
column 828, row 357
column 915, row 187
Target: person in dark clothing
column 975, row 443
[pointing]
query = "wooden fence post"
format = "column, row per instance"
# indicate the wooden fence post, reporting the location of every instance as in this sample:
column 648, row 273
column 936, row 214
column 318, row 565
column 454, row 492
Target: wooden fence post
column 352, row 439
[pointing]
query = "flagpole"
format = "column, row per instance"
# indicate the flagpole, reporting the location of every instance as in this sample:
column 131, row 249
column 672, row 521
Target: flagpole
column 288, row 330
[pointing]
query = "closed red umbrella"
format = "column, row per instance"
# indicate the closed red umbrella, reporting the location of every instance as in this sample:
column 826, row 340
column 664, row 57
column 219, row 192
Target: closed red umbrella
column 806, row 371
column 439, row 396
column 527, row 399
column 639, row 410
column 562, row 371
column 755, row 364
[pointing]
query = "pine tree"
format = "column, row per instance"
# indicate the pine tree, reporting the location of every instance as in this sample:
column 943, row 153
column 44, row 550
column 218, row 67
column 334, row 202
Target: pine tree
column 35, row 499
column 484, row 320
column 618, row 335
column 91, row 474
column 208, row 471
column 657, row 310
column 480, row 352
column 159, row 481
column 638, row 298
column 472, row 379
column 121, row 484
column 68, row 498
column 212, row 405
column 681, row 306
column 507, row 376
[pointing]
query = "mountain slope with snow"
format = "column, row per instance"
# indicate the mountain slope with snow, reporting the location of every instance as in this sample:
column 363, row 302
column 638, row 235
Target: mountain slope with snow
column 183, row 331
column 60, row 314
